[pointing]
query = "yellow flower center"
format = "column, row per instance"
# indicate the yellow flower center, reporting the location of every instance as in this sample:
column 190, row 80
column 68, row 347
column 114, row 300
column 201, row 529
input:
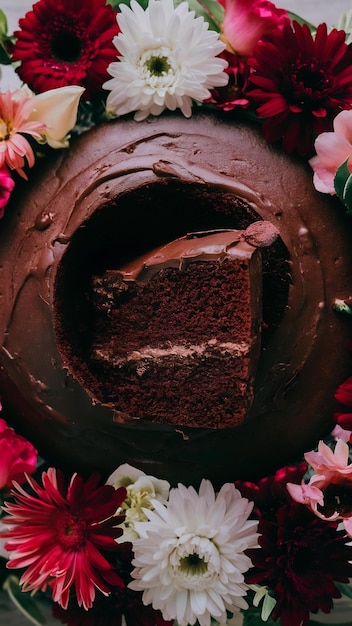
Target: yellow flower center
column 6, row 129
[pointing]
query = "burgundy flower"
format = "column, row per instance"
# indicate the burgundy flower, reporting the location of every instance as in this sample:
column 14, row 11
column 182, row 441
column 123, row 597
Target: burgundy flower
column 62, row 535
column 270, row 492
column 110, row 611
column 301, row 555
column 234, row 94
column 300, row 559
column 66, row 42
column 344, row 396
column 17, row 456
column 300, row 83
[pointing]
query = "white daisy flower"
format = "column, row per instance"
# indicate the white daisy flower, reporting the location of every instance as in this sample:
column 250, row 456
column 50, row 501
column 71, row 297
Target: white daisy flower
column 141, row 491
column 189, row 560
column 167, row 58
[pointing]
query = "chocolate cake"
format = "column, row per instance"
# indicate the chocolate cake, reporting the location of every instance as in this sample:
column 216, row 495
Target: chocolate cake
column 67, row 243
column 188, row 316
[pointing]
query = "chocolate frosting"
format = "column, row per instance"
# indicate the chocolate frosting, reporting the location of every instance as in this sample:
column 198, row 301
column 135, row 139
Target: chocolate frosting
column 213, row 172
column 215, row 245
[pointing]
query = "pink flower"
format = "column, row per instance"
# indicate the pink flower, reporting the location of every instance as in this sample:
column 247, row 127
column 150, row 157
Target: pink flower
column 17, row 456
column 246, row 21
column 15, row 149
column 332, row 148
column 328, row 493
column 7, row 185
column 62, row 535
column 341, row 433
column 331, row 464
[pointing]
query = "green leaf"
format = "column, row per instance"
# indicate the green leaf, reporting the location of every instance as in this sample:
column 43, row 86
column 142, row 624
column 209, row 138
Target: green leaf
column 4, row 56
column 3, row 23
column 210, row 10
column 23, row 601
column 116, row 3
column 253, row 617
column 267, row 608
column 343, row 186
column 345, row 589
column 345, row 23
column 301, row 20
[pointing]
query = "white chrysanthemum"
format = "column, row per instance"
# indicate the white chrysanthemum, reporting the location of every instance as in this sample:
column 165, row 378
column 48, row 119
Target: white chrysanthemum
column 141, row 491
column 189, row 560
column 167, row 58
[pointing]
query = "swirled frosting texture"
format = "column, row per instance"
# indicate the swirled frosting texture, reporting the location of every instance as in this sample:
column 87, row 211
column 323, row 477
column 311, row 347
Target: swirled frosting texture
column 122, row 190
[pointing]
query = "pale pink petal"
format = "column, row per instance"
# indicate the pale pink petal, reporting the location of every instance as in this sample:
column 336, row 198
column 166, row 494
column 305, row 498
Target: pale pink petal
column 332, row 150
column 306, row 494
column 348, row 525
column 340, row 433
column 343, row 125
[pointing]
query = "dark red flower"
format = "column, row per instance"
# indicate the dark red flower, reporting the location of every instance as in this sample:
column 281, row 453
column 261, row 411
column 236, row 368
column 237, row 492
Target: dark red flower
column 234, row 94
column 300, row 83
column 122, row 606
column 344, row 396
column 270, row 492
column 109, row 611
column 66, row 42
column 300, row 559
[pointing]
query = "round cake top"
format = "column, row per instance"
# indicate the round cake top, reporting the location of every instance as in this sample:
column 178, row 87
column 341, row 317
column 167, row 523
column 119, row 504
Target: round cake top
column 172, row 290
column 143, row 186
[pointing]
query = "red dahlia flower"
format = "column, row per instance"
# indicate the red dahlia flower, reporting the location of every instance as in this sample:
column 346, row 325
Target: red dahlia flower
column 234, row 93
column 66, row 42
column 301, row 555
column 343, row 417
column 300, row 559
column 62, row 534
column 301, row 82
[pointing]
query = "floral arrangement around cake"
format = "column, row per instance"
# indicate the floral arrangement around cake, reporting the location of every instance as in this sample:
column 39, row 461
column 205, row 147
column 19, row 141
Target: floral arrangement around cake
column 135, row 551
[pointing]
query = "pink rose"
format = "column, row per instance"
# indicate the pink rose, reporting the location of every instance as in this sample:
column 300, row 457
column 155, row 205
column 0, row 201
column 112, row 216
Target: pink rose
column 7, row 185
column 17, row 456
column 246, row 21
column 332, row 148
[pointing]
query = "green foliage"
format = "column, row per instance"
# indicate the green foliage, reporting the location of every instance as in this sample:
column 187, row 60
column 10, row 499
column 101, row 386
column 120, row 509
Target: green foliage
column 345, row 23
column 300, row 20
column 23, row 601
column 210, row 10
column 345, row 589
column 4, row 55
column 343, row 186
column 253, row 617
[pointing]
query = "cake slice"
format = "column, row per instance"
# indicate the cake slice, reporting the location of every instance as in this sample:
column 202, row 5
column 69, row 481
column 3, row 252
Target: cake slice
column 177, row 332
